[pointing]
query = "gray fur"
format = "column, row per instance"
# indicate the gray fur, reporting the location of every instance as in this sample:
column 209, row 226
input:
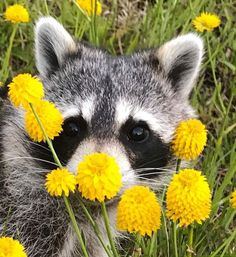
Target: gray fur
column 106, row 91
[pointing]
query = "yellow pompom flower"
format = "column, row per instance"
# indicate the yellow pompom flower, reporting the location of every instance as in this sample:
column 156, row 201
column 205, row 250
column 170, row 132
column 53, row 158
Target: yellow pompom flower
column 139, row 211
column 16, row 13
column 50, row 117
column 88, row 6
column 60, row 181
column 25, row 89
column 206, row 21
column 233, row 199
column 188, row 198
column 189, row 139
column 98, row 177
column 11, row 248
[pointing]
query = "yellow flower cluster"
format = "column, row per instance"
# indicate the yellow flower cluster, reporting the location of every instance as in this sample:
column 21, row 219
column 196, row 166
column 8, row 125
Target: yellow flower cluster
column 11, row 248
column 98, row 177
column 189, row 139
column 206, row 21
column 25, row 90
column 233, row 199
column 16, row 13
column 50, row 118
column 139, row 211
column 88, row 6
column 188, row 197
column 60, row 181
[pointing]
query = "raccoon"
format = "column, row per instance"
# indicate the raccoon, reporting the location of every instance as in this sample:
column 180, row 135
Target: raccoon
column 125, row 106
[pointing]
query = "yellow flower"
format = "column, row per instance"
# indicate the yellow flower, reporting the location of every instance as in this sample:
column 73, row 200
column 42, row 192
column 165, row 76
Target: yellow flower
column 206, row 21
column 50, row 117
column 88, row 6
column 139, row 211
column 11, row 248
column 98, row 177
column 188, row 197
column 16, row 13
column 60, row 181
column 25, row 89
column 189, row 139
column 233, row 199
column 1, row 84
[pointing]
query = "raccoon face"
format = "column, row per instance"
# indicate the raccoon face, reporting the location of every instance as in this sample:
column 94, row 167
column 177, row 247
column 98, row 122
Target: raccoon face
column 126, row 106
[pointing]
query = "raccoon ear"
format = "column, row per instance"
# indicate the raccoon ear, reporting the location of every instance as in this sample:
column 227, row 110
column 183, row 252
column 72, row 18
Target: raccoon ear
column 180, row 60
column 52, row 43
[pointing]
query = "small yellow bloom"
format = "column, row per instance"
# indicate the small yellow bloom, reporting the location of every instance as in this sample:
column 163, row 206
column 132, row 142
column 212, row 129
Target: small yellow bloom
column 60, row 181
column 11, row 248
column 16, row 13
column 50, row 117
column 188, row 197
column 206, row 21
column 98, row 177
column 139, row 211
column 88, row 6
column 233, row 199
column 189, row 139
column 1, row 84
column 25, row 89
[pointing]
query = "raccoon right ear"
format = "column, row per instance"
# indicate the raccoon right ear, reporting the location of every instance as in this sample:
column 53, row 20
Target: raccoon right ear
column 180, row 61
column 52, row 44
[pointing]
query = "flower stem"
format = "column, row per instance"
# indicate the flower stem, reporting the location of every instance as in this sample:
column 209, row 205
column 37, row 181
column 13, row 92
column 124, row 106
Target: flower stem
column 95, row 227
column 178, row 165
column 175, row 239
column 107, row 225
column 50, row 145
column 66, row 201
column 153, row 241
column 75, row 225
column 190, row 242
column 5, row 65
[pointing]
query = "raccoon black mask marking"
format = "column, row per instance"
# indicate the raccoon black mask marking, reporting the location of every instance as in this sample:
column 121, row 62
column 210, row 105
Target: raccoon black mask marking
column 126, row 106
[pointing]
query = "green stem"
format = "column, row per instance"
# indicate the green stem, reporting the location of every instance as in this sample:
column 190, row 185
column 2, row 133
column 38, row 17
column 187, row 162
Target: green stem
column 175, row 239
column 190, row 242
column 178, row 165
column 67, row 204
column 5, row 71
column 153, row 241
column 95, row 227
column 75, row 225
column 107, row 225
column 50, row 145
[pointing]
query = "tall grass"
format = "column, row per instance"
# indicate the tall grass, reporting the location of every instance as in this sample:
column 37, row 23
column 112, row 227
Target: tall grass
column 213, row 97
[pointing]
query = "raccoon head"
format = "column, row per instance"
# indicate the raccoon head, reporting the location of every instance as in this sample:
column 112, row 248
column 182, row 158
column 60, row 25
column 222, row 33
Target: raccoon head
column 125, row 106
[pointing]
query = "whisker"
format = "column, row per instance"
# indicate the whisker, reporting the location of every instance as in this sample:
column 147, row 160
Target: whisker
column 30, row 158
column 153, row 160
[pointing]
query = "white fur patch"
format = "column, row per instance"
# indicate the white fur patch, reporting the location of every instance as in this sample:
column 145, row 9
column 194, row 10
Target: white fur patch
column 124, row 110
column 70, row 112
column 87, row 108
column 69, row 244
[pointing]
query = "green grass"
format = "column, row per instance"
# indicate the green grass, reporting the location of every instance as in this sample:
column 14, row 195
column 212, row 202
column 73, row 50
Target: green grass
column 213, row 97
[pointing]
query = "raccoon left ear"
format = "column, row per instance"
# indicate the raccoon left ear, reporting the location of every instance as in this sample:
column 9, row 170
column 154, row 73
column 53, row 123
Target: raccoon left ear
column 180, row 61
column 52, row 44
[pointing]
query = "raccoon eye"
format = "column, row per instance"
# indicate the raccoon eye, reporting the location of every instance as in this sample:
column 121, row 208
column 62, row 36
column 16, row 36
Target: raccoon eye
column 139, row 134
column 71, row 127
